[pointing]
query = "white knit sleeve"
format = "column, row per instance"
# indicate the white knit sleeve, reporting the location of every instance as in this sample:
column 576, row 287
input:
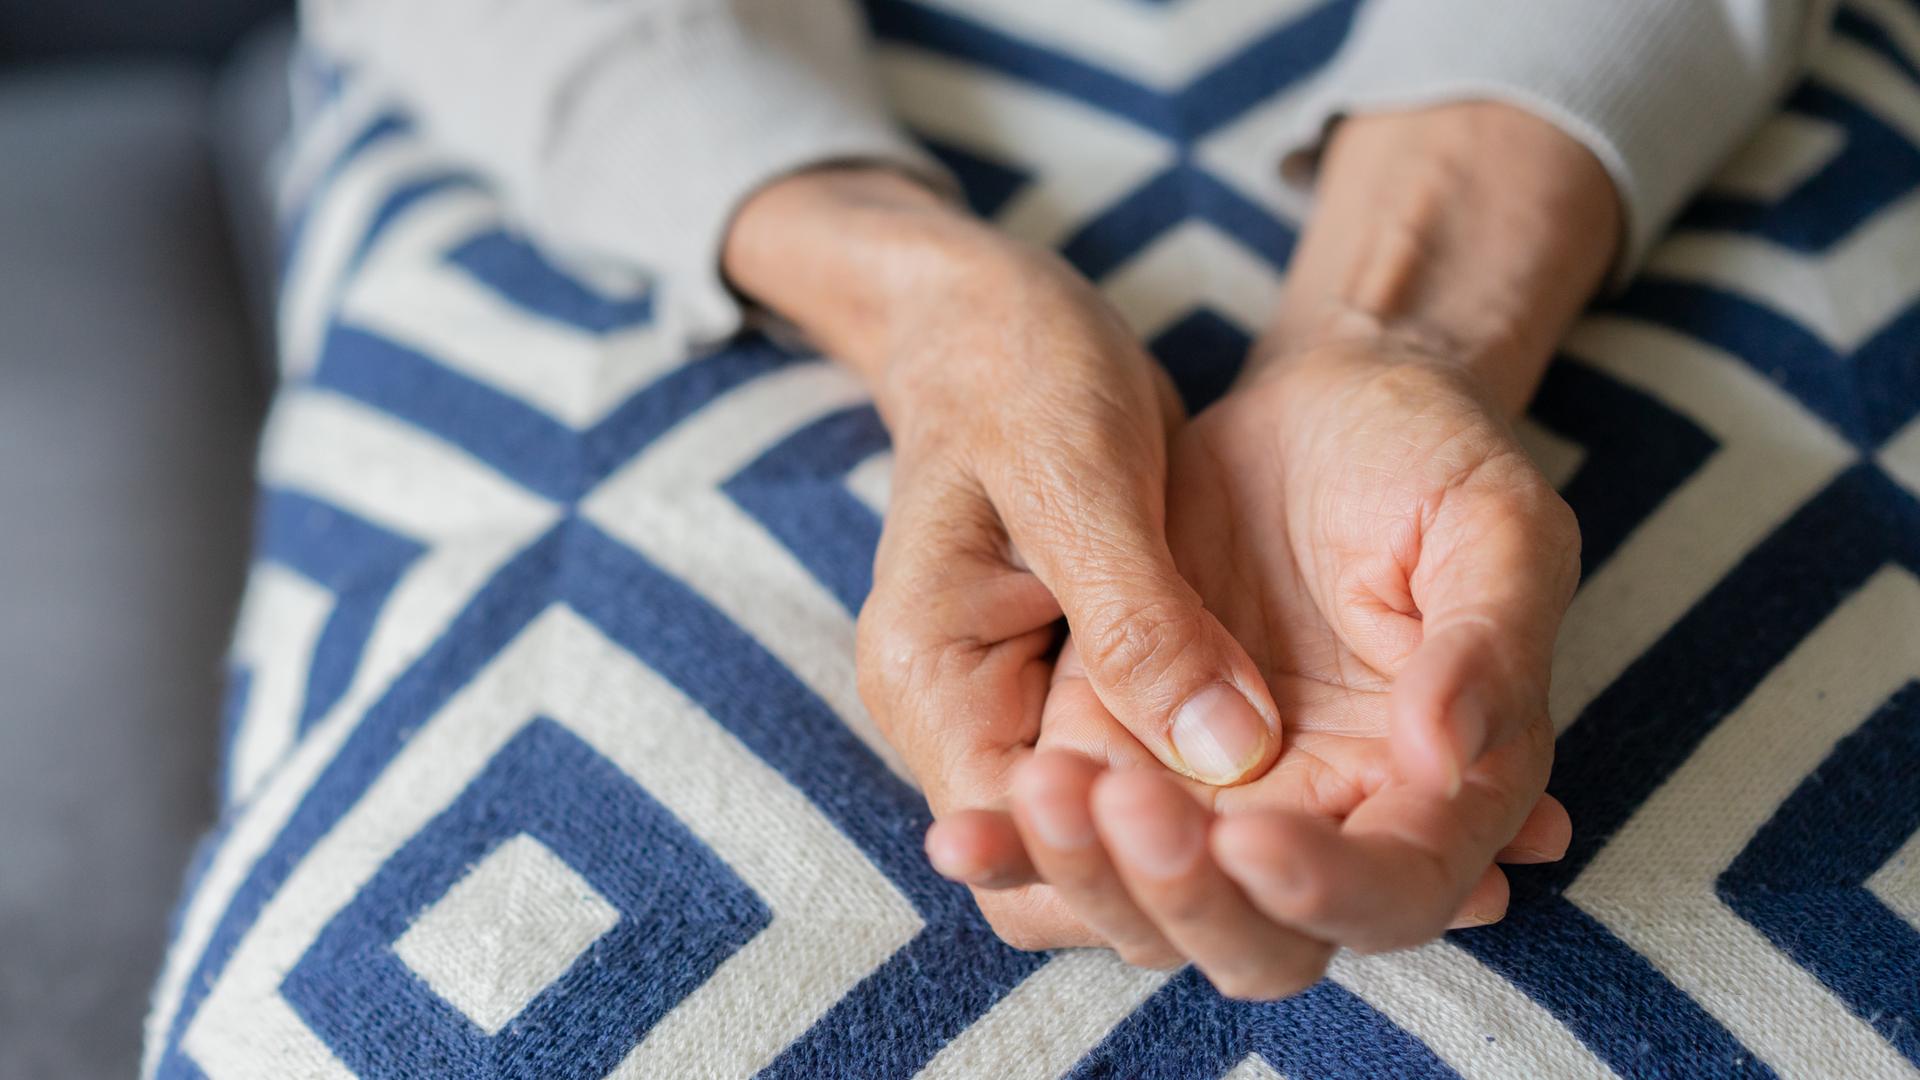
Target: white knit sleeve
column 1661, row 91
column 631, row 130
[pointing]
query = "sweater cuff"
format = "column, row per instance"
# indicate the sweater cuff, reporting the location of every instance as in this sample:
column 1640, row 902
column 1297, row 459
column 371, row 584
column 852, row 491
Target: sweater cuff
column 658, row 156
column 1660, row 92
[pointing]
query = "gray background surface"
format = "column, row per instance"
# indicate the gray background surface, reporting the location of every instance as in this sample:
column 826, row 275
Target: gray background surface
column 131, row 383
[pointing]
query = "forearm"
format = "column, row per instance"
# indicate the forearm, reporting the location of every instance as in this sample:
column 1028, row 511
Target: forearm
column 836, row 251
column 1472, row 233
column 864, row 260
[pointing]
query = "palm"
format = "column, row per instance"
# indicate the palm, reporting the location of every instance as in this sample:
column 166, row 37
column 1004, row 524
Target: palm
column 1308, row 513
column 1370, row 533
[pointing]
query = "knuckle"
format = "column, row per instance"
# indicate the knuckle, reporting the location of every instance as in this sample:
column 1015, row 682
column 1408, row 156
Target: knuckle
column 896, row 657
column 1532, row 500
column 1527, row 507
column 1129, row 644
column 1041, row 490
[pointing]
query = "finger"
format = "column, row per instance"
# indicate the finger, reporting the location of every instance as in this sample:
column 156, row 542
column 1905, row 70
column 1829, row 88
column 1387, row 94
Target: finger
column 1543, row 837
column 980, row 848
column 1536, row 842
column 1392, row 876
column 1158, row 837
column 1092, row 528
column 1075, row 719
column 953, row 642
column 1051, row 793
column 1486, row 904
column 1497, row 572
column 1034, row 918
column 983, row 848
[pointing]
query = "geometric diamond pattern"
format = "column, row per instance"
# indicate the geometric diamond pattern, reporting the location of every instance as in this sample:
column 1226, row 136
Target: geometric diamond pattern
column 505, row 932
column 548, row 755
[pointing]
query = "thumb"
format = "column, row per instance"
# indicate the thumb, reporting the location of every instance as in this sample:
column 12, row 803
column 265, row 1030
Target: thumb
column 1491, row 602
column 1156, row 657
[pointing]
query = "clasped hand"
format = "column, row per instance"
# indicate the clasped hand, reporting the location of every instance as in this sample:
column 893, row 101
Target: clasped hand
column 1301, row 700
column 1373, row 538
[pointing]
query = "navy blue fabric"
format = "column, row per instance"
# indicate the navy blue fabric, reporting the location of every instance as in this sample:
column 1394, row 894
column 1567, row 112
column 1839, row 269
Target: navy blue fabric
column 354, row 559
column 682, row 910
column 1800, row 880
column 1321, row 1033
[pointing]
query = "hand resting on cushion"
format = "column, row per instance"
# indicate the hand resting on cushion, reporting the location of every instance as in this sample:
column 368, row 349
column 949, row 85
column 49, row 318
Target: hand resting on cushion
column 1396, row 566
column 1025, row 419
column 1347, row 568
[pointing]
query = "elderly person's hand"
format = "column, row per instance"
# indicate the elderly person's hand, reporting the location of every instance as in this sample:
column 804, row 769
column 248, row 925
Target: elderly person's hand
column 1368, row 528
column 1359, row 514
column 1029, row 433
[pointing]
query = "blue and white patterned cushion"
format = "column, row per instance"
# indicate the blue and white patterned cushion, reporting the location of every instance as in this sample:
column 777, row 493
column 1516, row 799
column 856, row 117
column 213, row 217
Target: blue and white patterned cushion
column 545, row 758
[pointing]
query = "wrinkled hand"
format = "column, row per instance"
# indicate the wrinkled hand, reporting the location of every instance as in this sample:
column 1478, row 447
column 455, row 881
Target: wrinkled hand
column 1029, row 434
column 1360, row 517
column 1364, row 523
column 1029, row 431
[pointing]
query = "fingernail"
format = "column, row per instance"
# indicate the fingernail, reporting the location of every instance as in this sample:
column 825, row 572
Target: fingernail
column 1063, row 824
column 1157, row 845
column 1470, row 919
column 1218, row 735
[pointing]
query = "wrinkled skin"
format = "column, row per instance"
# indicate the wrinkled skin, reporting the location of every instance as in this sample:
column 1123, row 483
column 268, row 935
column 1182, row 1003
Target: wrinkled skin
column 1368, row 529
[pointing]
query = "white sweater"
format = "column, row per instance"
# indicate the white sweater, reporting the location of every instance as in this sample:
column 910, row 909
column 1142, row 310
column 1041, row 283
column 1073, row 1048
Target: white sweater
column 632, row 129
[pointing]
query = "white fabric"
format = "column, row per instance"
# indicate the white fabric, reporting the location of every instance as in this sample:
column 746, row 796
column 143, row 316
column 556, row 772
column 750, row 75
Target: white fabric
column 630, row 131
column 514, row 924
column 1661, row 91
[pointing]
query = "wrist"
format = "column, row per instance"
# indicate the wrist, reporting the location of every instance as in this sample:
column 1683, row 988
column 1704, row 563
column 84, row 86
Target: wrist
column 848, row 255
column 1469, row 235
